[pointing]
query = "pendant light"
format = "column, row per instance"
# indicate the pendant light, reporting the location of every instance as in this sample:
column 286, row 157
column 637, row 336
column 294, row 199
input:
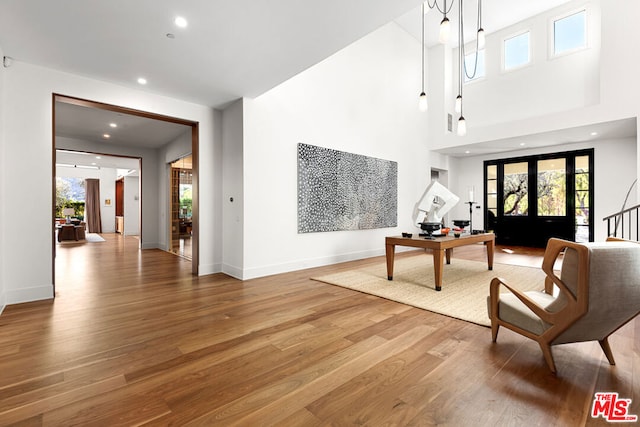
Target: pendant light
column 462, row 126
column 444, row 36
column 481, row 38
column 445, row 27
column 423, row 104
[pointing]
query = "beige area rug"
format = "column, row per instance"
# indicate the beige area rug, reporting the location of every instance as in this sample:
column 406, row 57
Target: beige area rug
column 89, row 238
column 465, row 284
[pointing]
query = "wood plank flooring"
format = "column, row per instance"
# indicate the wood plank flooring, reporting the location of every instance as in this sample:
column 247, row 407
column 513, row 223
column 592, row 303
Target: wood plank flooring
column 133, row 339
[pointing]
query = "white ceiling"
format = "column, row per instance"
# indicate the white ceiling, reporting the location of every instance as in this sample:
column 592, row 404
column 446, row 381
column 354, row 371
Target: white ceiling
column 72, row 159
column 230, row 49
column 616, row 129
column 91, row 124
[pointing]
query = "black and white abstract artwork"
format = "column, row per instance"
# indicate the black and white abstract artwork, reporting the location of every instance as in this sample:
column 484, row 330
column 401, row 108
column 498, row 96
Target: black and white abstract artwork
column 345, row 191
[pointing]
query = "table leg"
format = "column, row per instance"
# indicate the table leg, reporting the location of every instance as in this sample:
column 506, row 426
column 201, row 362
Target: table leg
column 490, row 246
column 448, row 253
column 390, row 249
column 438, row 267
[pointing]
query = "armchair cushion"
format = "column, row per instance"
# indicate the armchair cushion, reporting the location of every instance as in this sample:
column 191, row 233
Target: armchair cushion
column 514, row 311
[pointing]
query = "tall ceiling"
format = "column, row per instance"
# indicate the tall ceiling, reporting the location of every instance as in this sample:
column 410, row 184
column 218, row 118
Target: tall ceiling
column 229, row 49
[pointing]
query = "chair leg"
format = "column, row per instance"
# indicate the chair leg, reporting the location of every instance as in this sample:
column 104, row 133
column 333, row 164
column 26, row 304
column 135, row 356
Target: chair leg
column 604, row 344
column 548, row 357
column 494, row 330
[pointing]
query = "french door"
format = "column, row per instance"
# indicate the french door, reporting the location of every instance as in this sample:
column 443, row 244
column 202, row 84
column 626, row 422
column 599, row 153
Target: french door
column 530, row 199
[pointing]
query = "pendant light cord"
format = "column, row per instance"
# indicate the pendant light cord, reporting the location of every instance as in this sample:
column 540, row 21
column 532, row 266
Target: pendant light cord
column 461, row 64
column 479, row 22
column 422, row 47
column 444, row 11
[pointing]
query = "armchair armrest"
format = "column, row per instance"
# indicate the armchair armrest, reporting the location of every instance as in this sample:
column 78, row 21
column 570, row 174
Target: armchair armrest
column 494, row 295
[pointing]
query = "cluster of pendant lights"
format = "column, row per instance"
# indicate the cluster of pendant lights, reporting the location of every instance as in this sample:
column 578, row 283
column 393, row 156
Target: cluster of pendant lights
column 444, row 35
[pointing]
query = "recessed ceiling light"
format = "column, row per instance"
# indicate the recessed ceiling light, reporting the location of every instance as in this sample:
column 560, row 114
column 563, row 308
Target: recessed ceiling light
column 142, row 80
column 98, row 157
column 113, row 125
column 106, row 136
column 522, row 144
column 594, row 133
column 180, row 22
column 94, row 163
column 467, row 152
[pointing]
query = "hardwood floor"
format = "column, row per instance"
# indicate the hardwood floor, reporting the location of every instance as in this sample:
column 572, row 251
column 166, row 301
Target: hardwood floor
column 133, row 339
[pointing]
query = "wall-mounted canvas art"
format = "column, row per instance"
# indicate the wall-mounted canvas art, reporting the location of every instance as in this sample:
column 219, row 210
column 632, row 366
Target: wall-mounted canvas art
column 345, row 191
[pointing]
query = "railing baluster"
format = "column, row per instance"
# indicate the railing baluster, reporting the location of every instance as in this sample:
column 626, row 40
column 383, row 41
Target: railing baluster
column 619, row 220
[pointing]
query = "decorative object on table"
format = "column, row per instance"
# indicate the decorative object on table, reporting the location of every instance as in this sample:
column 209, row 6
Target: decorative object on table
column 345, row 191
column 471, row 202
column 68, row 213
column 435, row 202
column 430, row 227
column 409, row 235
column 461, row 224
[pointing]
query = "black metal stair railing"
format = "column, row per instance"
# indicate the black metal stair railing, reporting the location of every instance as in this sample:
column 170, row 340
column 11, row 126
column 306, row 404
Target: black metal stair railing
column 624, row 224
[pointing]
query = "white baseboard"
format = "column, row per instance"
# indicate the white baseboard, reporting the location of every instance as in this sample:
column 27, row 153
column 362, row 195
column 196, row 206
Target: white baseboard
column 152, row 245
column 35, row 293
column 205, row 269
column 252, row 273
column 232, row 271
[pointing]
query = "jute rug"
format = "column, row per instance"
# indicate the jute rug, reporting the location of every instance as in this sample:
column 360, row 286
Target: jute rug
column 465, row 284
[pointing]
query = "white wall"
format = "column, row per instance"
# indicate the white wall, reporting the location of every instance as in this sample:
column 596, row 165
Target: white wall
column 27, row 105
column 233, row 193
column 554, row 84
column 107, row 177
column 131, row 205
column 617, row 155
column 362, row 100
column 2, row 184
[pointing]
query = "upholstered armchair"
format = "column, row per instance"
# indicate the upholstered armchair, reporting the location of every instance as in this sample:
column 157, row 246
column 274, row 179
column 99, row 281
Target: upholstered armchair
column 597, row 292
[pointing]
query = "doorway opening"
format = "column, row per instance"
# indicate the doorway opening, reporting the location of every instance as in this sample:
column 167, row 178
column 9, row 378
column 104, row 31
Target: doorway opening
column 90, row 187
column 81, row 132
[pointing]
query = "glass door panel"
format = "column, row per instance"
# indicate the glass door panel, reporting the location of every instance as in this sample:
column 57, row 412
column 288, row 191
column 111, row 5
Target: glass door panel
column 516, row 189
column 582, row 196
column 552, row 187
column 181, row 206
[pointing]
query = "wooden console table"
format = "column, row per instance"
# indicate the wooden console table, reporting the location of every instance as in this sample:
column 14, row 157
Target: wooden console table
column 442, row 248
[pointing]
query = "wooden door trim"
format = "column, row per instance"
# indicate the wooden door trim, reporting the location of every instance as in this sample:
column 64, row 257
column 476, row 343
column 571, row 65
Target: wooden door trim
column 57, row 97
